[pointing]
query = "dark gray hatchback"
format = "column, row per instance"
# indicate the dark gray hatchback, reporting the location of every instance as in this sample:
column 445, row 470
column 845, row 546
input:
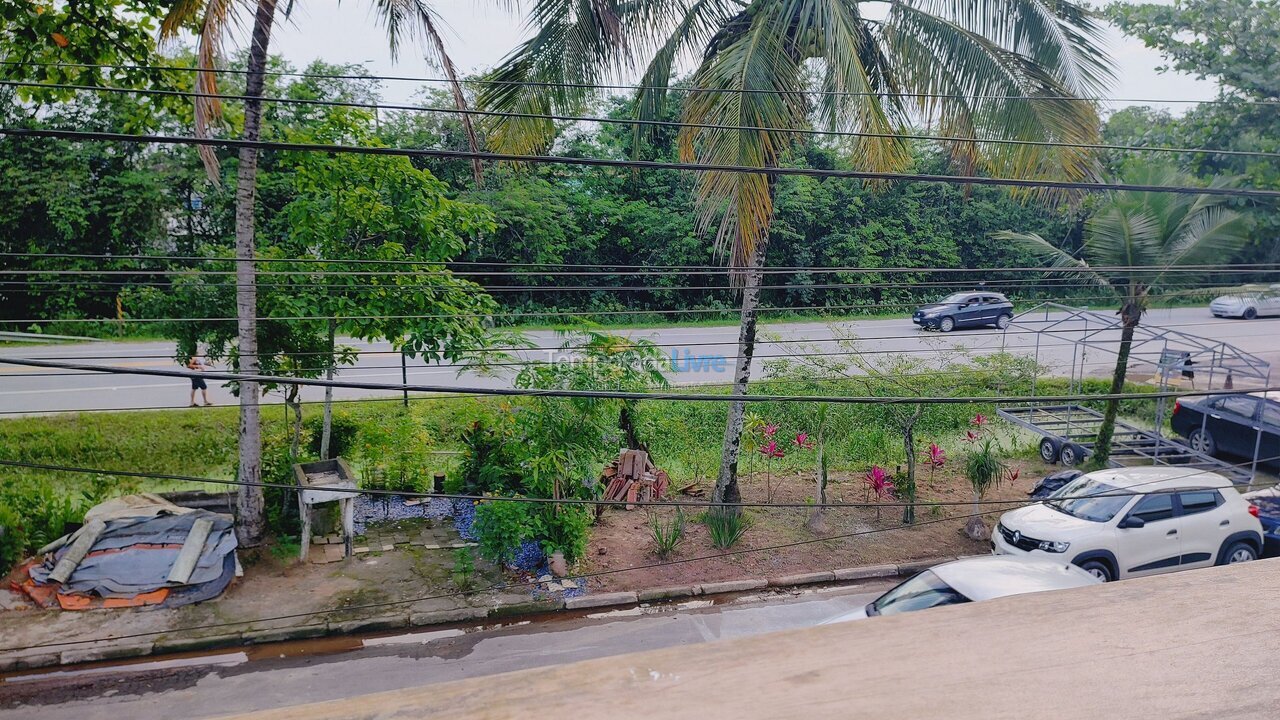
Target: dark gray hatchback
column 965, row 309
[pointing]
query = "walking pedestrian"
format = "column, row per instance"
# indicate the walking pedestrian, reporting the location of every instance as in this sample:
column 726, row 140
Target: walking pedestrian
column 1187, row 372
column 198, row 364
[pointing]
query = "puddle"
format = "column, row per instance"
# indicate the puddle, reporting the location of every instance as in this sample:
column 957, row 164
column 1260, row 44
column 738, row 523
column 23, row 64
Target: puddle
column 223, row 660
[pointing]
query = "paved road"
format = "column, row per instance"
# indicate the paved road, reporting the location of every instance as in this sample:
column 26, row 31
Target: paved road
column 276, row 676
column 696, row 350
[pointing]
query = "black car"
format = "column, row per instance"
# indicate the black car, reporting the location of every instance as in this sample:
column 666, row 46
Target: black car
column 966, row 309
column 1237, row 424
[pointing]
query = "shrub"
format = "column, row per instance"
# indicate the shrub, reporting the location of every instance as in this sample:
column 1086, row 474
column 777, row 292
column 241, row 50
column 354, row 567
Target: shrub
column 280, row 504
column 500, row 527
column 566, row 529
column 667, row 534
column 726, row 526
column 343, row 432
column 35, row 513
column 488, row 461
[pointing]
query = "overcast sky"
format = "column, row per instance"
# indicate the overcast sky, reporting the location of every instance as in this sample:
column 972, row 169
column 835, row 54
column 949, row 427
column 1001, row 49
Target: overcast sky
column 480, row 34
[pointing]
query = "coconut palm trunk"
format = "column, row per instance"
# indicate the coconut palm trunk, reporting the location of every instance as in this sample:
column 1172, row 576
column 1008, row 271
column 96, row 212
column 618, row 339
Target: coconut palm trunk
column 326, row 432
column 727, row 481
column 1130, row 316
column 249, row 502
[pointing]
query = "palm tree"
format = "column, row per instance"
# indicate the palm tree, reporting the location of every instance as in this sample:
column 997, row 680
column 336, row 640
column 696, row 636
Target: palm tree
column 212, row 18
column 993, row 69
column 1135, row 239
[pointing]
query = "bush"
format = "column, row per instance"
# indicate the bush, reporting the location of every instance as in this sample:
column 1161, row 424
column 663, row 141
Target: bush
column 500, row 528
column 343, row 432
column 566, row 529
column 489, row 463
column 34, row 513
column 281, row 504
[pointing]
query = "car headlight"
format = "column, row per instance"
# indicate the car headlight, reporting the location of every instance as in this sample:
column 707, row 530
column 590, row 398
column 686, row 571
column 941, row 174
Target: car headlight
column 1054, row 546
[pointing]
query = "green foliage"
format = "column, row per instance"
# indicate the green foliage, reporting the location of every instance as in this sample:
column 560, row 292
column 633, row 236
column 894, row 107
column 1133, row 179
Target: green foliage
column 344, row 431
column 668, row 534
column 500, row 527
column 464, row 569
column 566, row 529
column 726, row 526
column 490, row 462
column 392, row 453
column 281, row 504
column 983, row 467
column 34, row 514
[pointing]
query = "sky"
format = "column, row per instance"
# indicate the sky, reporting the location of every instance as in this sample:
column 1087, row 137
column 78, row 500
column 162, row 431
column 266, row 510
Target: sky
column 479, row 34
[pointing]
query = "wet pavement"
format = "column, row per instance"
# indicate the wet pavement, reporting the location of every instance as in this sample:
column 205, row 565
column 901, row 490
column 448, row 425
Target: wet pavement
column 268, row 676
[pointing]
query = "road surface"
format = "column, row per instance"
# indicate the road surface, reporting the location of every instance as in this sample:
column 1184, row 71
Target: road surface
column 281, row 675
column 700, row 355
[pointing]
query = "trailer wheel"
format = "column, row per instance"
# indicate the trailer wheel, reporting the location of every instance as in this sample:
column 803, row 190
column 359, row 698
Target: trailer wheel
column 1050, row 449
column 1071, row 455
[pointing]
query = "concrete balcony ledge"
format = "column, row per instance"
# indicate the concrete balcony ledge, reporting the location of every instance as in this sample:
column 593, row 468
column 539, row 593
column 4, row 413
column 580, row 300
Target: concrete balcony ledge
column 1197, row 644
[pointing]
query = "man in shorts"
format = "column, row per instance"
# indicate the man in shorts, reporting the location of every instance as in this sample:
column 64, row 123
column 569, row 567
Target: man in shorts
column 198, row 364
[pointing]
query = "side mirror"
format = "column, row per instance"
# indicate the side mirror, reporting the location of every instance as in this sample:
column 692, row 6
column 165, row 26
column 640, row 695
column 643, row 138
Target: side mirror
column 1132, row 523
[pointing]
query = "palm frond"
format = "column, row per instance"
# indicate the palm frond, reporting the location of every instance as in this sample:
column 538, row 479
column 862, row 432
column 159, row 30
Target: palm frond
column 1058, row 261
column 218, row 16
column 754, row 58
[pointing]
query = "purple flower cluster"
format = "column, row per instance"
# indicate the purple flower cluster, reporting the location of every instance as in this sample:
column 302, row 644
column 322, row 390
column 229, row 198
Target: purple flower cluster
column 464, row 517
column 529, row 557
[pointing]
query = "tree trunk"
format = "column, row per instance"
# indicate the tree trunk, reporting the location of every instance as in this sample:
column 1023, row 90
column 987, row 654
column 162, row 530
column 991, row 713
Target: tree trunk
column 818, row 519
column 292, row 402
column 727, row 482
column 909, row 445
column 627, row 424
column 327, row 429
column 252, row 521
column 1131, row 315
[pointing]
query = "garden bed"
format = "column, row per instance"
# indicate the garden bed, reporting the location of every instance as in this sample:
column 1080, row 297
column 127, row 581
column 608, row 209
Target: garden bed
column 623, row 539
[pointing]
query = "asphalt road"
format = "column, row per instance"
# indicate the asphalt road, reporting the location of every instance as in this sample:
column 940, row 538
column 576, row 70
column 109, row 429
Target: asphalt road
column 702, row 355
column 279, row 675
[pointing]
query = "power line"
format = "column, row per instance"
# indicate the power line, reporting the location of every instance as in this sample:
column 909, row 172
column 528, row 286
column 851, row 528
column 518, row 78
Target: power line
column 624, row 269
column 617, row 394
column 644, row 122
column 664, row 88
column 640, row 164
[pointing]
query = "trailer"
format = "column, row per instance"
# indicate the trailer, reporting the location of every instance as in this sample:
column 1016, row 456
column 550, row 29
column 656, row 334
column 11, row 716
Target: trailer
column 1068, row 433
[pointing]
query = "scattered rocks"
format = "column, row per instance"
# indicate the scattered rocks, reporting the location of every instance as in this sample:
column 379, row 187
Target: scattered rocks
column 568, row 584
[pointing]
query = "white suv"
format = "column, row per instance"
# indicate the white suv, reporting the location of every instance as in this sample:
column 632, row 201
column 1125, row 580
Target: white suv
column 1130, row 522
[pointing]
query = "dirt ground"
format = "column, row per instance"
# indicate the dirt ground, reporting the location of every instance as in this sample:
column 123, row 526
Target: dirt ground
column 623, row 538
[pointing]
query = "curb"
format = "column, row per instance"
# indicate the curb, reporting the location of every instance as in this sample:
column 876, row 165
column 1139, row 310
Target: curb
column 164, row 644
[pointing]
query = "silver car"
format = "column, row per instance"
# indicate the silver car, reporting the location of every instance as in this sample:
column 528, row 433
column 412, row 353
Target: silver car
column 1249, row 303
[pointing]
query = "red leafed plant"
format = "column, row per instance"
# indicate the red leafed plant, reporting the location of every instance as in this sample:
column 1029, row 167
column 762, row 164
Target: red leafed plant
column 936, row 457
column 877, row 480
column 771, row 451
column 802, row 441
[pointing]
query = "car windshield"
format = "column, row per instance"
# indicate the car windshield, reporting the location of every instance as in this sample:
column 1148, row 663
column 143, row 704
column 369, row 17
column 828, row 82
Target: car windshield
column 1078, row 498
column 925, row 590
column 957, row 298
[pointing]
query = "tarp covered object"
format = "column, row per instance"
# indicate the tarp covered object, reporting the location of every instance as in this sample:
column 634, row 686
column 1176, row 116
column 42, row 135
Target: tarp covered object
column 137, row 543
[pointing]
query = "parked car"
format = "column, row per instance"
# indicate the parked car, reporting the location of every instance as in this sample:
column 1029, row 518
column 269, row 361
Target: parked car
column 1248, row 304
column 1234, row 424
column 965, row 309
column 972, row 580
column 1052, row 483
column 1135, row 521
column 1268, row 504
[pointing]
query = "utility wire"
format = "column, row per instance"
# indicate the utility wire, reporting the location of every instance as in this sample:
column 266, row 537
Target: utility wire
column 617, row 394
column 641, row 122
column 623, row 269
column 597, row 86
column 638, row 164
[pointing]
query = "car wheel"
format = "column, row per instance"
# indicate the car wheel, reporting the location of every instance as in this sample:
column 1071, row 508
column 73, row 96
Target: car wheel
column 947, row 324
column 1071, row 455
column 1202, row 441
column 1004, row 321
column 1250, row 313
column 1098, row 569
column 1049, row 449
column 1240, row 552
